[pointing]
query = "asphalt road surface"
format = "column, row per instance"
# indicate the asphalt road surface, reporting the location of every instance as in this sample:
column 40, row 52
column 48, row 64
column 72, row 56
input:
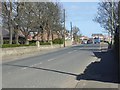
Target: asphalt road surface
column 57, row 69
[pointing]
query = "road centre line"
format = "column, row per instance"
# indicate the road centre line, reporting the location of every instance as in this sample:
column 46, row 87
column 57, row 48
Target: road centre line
column 51, row 59
column 24, row 68
column 35, row 64
column 72, row 51
column 69, row 52
column 32, row 65
column 75, row 50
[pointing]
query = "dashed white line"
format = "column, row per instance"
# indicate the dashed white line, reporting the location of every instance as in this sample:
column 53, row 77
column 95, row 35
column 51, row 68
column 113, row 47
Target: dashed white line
column 69, row 52
column 51, row 59
column 40, row 63
column 24, row 68
column 32, row 65
column 75, row 50
column 72, row 51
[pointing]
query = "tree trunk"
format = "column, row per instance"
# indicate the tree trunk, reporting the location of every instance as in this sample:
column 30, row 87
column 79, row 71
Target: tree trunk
column 16, row 38
column 48, row 36
column 16, row 34
column 9, row 21
column 42, row 37
column 52, row 37
column 26, row 40
column 1, row 38
column 10, row 30
column 10, row 33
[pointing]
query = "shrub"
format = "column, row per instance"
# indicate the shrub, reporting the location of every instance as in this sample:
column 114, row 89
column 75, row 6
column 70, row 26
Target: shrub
column 32, row 43
column 9, row 45
column 58, row 41
column 45, row 43
column 6, row 41
column 14, row 45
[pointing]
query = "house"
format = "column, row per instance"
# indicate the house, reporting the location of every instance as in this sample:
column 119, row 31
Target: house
column 100, row 36
column 84, row 39
column 5, row 34
column 97, row 38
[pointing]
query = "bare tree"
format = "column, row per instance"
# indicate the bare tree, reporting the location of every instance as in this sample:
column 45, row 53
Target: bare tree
column 36, row 17
column 26, row 19
column 7, row 18
column 75, row 33
column 107, row 16
column 1, row 36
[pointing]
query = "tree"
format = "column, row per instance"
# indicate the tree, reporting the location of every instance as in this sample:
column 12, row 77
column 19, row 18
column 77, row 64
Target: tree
column 107, row 16
column 75, row 31
column 52, row 18
column 7, row 18
column 1, row 36
column 27, row 17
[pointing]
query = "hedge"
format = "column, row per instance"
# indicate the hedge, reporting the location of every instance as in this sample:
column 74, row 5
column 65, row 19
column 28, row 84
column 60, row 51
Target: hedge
column 12, row 45
column 58, row 41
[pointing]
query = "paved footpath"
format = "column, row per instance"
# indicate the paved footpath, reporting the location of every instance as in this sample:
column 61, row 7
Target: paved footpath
column 100, row 74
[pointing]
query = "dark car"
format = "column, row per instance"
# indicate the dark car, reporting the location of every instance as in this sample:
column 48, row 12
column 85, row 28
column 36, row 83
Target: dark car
column 89, row 42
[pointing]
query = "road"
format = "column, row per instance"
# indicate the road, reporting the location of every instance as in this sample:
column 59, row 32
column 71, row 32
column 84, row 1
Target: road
column 58, row 69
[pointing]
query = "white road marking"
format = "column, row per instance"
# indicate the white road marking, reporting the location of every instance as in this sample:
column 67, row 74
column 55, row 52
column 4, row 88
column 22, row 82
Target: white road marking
column 51, row 59
column 40, row 63
column 75, row 50
column 69, row 52
column 32, row 65
column 24, row 68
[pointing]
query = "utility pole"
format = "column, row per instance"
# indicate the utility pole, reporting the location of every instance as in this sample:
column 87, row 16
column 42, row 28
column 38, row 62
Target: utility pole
column 64, row 26
column 71, row 31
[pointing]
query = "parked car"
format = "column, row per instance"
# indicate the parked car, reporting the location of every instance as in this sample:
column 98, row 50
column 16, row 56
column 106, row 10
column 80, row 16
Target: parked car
column 96, row 41
column 89, row 42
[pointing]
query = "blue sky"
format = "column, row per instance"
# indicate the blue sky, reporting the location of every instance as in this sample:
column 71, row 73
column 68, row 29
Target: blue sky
column 81, row 14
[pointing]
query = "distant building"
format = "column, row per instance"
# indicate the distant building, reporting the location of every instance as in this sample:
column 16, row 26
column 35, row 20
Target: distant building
column 5, row 33
column 97, row 38
column 100, row 36
column 84, row 39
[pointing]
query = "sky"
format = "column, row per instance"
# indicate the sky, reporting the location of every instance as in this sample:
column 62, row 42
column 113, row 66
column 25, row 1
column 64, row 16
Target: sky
column 81, row 14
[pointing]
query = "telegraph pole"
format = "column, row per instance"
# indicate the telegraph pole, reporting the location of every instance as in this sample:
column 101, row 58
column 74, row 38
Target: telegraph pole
column 71, row 31
column 64, row 26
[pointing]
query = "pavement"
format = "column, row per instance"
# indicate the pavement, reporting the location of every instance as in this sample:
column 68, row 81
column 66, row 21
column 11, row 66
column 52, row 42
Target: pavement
column 82, row 66
column 101, row 74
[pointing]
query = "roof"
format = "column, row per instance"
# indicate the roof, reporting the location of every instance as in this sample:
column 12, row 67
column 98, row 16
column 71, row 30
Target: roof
column 97, row 34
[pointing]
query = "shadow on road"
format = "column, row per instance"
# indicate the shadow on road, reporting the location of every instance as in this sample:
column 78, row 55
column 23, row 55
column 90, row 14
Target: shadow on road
column 45, row 69
column 105, row 70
